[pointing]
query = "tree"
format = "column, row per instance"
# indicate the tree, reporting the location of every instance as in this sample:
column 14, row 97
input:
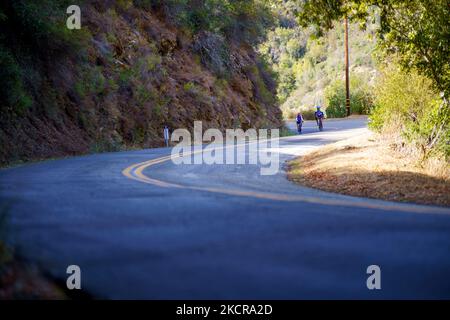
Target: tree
column 416, row 31
column 361, row 99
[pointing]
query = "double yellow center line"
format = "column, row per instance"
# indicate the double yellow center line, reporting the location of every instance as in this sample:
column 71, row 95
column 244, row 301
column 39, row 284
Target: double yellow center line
column 136, row 172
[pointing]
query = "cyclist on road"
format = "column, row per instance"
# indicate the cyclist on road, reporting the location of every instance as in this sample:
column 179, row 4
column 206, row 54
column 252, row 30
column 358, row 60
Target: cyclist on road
column 299, row 121
column 319, row 116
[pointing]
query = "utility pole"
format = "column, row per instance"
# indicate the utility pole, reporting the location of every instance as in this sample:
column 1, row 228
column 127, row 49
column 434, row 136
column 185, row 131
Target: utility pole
column 347, row 76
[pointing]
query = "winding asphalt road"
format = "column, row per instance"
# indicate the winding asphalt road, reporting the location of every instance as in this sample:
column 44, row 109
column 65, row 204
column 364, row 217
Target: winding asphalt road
column 141, row 227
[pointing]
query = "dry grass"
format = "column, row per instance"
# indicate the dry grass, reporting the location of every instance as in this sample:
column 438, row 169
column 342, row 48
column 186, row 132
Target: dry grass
column 373, row 166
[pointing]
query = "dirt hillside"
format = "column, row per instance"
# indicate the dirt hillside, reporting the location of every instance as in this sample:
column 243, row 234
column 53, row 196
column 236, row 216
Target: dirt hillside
column 134, row 72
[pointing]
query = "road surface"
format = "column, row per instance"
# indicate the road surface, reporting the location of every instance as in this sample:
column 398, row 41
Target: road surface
column 140, row 226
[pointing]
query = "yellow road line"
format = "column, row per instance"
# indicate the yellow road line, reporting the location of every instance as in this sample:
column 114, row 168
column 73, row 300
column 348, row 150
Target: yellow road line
column 136, row 172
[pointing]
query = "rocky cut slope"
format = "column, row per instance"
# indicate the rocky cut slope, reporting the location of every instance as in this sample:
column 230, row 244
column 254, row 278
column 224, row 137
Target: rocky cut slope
column 113, row 84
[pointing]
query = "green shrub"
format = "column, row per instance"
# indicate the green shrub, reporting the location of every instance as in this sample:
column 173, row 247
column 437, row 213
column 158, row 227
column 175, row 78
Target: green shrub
column 126, row 75
column 92, row 81
column 306, row 64
column 32, row 33
column 189, row 87
column 432, row 132
column 308, row 114
column 407, row 103
column 41, row 25
column 153, row 61
column 12, row 94
column 242, row 20
column 143, row 94
column 361, row 100
column 335, row 100
column 262, row 86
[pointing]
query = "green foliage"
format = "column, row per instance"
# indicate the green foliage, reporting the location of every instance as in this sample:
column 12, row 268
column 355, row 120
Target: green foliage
column 189, row 87
column 306, row 64
column 220, row 86
column 416, row 31
column 321, row 13
column 335, row 100
column 39, row 24
column 124, row 4
column 417, row 34
column 153, row 61
column 284, row 47
column 139, row 71
column 309, row 114
column 286, row 132
column 261, row 78
column 361, row 99
column 31, row 31
column 241, row 20
column 92, row 82
column 432, row 132
column 13, row 96
column 126, row 75
column 408, row 103
column 199, row 93
column 143, row 95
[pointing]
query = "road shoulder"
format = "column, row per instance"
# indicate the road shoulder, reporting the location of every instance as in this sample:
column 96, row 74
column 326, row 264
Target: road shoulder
column 366, row 166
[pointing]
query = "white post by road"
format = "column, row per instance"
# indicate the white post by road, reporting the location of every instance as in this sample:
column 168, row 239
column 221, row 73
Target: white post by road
column 166, row 135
